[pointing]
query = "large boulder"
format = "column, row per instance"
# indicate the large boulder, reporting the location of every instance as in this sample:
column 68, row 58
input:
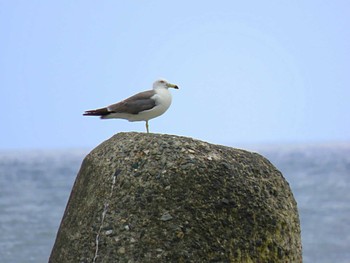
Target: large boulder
column 163, row 198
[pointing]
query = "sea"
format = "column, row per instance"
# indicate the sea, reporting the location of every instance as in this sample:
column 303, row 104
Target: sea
column 35, row 187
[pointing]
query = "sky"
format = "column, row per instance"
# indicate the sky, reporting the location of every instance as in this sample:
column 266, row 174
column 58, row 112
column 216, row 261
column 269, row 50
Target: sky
column 249, row 72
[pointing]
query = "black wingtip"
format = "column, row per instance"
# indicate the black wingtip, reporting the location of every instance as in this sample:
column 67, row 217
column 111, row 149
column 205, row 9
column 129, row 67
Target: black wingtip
column 98, row 112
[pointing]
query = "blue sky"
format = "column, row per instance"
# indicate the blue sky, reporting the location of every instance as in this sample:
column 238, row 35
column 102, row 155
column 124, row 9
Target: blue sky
column 249, row 71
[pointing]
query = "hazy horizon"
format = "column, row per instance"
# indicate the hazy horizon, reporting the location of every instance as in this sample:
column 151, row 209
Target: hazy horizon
column 240, row 145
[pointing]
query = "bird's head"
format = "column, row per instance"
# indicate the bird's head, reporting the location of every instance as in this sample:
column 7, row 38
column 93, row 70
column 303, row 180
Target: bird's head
column 162, row 83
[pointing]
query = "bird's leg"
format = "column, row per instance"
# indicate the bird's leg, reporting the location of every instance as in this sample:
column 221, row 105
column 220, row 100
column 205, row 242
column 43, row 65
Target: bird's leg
column 147, row 126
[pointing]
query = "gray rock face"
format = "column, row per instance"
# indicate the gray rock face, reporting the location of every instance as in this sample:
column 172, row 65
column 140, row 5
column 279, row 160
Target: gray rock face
column 162, row 198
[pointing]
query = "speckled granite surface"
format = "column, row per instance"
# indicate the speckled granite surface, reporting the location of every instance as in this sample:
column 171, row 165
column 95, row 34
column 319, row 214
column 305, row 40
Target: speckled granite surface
column 163, row 198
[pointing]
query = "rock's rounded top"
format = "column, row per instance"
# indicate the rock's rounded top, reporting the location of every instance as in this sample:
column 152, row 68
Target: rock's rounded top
column 172, row 148
column 167, row 198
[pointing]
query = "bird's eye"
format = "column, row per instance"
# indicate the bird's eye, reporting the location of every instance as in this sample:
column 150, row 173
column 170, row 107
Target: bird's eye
column 162, row 81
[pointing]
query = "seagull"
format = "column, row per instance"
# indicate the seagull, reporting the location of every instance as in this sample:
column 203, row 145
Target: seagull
column 143, row 106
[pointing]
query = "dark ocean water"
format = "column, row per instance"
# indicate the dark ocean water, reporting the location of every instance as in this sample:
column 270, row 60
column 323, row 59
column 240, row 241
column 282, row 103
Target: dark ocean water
column 35, row 186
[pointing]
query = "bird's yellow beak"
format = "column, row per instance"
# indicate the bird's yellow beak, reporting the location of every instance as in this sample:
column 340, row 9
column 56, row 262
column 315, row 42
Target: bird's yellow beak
column 169, row 85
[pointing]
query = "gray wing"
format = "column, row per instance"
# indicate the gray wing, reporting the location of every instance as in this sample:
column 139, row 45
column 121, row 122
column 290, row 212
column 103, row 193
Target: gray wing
column 133, row 105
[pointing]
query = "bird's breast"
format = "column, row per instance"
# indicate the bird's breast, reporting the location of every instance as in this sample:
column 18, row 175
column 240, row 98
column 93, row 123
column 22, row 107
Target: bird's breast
column 163, row 99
